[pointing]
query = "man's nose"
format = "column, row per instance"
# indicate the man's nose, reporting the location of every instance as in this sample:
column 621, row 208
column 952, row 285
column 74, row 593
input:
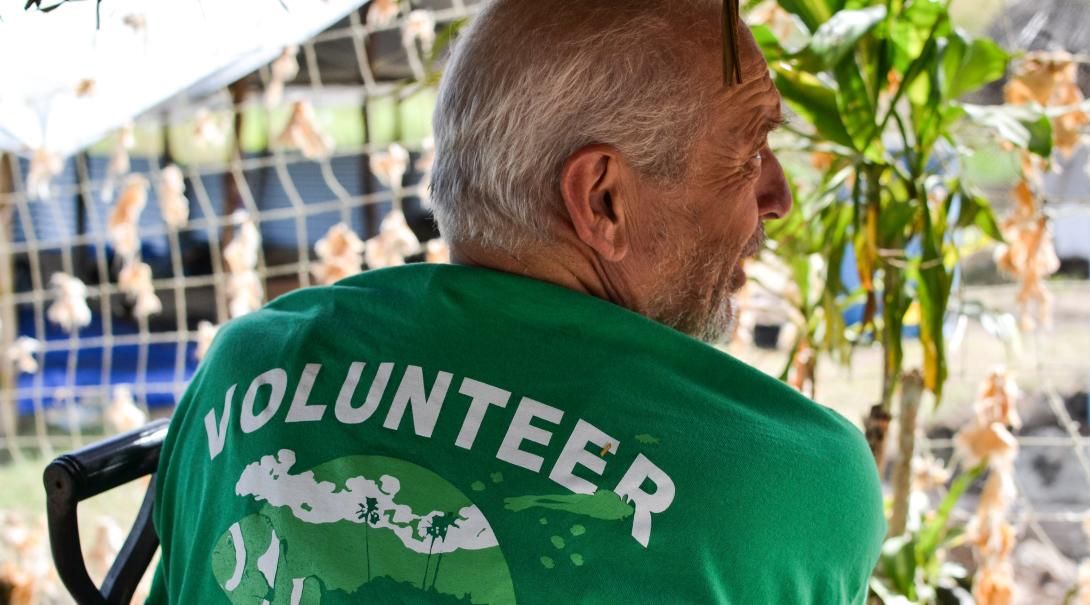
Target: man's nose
column 773, row 194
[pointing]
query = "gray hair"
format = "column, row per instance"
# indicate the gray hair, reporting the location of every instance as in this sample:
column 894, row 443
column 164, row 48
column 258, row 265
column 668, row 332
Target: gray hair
column 532, row 81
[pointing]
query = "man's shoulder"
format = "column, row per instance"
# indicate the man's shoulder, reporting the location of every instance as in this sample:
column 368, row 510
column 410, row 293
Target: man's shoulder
column 292, row 317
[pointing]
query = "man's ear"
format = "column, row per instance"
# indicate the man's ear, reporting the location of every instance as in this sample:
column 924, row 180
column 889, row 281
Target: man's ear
column 591, row 185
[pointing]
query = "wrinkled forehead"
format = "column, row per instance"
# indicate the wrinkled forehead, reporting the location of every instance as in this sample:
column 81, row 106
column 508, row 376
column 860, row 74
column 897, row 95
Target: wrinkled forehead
column 740, row 106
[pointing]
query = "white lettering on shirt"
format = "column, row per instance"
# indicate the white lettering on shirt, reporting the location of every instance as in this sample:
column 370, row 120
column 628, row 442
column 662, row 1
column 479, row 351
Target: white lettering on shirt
column 300, row 410
column 483, row 396
column 630, row 488
column 277, row 380
column 216, row 439
column 575, row 453
column 425, row 407
column 344, row 411
column 521, row 430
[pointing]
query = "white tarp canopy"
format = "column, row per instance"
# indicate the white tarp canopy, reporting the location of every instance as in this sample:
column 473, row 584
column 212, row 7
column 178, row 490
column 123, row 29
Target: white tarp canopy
column 145, row 54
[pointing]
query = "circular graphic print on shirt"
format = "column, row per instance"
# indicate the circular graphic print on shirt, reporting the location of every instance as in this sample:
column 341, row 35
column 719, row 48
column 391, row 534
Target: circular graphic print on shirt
column 358, row 529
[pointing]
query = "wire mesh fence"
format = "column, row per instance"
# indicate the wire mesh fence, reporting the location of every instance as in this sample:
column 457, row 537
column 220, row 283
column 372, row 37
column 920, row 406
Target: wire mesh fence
column 291, row 199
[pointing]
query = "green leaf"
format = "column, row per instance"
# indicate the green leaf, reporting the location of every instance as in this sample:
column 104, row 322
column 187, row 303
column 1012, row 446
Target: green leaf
column 935, row 531
column 857, row 112
column 966, row 66
column 770, row 45
column 898, row 564
column 837, row 37
column 909, row 31
column 934, row 290
column 977, row 210
column 893, row 220
column 894, row 306
column 445, row 38
column 813, row 100
column 1022, row 125
column 812, row 12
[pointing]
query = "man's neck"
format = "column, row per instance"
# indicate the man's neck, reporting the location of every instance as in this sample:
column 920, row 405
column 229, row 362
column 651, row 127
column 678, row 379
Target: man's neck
column 553, row 263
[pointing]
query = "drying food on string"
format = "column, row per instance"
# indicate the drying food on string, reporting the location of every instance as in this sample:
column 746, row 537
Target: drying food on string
column 44, row 167
column 123, row 415
column 69, row 309
column 244, row 290
column 207, row 133
column 393, row 243
column 390, row 166
column 340, row 255
column 303, row 133
column 419, row 26
column 437, row 251
column 135, row 281
column 125, row 218
column 120, row 163
column 206, row 333
column 22, row 354
column 382, row 13
column 283, row 70
column 173, row 204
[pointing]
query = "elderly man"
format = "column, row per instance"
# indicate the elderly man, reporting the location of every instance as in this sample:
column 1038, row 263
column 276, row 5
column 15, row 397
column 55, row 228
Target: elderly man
column 539, row 422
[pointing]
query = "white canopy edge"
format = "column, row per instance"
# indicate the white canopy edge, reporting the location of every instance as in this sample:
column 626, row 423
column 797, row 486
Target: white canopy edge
column 183, row 51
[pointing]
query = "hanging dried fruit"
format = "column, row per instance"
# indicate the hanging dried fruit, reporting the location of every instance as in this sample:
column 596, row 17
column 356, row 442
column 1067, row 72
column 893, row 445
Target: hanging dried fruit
column 303, row 133
column 206, row 333
column 420, row 26
column 135, row 282
column 173, row 204
column 123, row 222
column 69, row 309
column 44, row 166
column 245, row 292
column 22, row 353
column 283, row 70
column 382, row 13
column 390, row 166
column 394, row 242
column 340, row 255
column 119, row 164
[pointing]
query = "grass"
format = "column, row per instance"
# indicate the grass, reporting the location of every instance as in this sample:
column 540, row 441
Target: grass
column 408, row 121
column 24, row 496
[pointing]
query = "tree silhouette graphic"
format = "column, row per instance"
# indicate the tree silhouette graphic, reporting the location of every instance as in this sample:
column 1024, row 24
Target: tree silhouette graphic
column 437, row 529
column 369, row 514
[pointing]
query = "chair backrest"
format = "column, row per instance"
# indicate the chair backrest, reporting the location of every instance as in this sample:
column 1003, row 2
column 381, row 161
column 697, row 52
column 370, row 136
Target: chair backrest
column 85, row 473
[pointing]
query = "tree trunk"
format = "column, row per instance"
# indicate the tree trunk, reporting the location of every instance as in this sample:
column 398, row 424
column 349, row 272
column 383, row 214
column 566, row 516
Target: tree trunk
column 911, row 392
column 435, row 574
column 427, row 563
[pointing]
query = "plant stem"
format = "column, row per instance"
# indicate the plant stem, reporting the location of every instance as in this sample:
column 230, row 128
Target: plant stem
column 911, row 392
column 910, row 74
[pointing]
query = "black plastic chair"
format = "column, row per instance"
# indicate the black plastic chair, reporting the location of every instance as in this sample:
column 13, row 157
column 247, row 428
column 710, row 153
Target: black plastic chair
column 85, row 473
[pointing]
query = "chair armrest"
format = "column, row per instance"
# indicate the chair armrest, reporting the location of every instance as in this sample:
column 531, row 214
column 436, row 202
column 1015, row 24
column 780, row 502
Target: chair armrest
column 85, row 473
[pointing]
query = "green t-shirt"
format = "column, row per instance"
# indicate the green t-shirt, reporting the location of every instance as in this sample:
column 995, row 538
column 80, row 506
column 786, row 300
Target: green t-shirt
column 445, row 434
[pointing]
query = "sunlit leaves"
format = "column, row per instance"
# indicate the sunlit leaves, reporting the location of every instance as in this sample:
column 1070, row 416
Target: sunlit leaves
column 879, row 84
column 814, row 100
column 838, row 36
column 967, row 65
column 813, row 12
column 1026, row 127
